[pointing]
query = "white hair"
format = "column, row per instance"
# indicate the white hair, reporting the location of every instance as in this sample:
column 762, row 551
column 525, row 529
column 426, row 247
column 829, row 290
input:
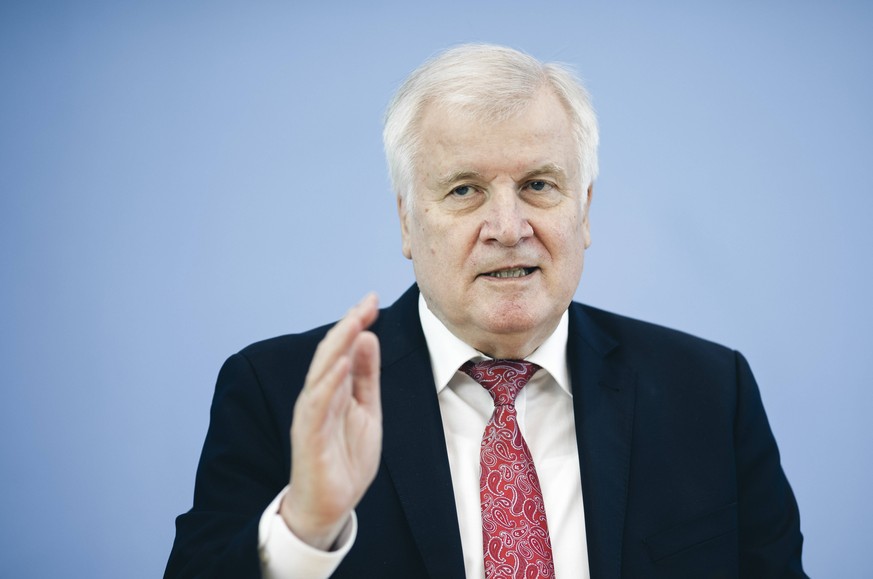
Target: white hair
column 491, row 83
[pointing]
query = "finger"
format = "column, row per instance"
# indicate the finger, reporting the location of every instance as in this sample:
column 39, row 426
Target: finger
column 365, row 370
column 339, row 339
column 335, row 344
column 331, row 364
column 368, row 309
column 361, row 380
column 312, row 412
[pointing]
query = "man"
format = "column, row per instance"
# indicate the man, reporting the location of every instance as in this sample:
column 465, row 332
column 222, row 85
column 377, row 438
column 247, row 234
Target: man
column 647, row 452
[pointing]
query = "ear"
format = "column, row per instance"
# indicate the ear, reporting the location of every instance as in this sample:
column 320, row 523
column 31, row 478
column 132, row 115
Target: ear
column 586, row 227
column 403, row 213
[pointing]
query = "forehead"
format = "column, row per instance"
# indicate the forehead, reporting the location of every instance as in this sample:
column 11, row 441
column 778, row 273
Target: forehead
column 456, row 140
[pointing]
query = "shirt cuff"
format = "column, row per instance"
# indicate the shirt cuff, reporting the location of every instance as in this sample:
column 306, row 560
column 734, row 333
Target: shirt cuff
column 284, row 555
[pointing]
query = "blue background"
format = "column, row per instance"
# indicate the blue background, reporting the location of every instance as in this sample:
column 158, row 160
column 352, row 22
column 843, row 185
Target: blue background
column 177, row 178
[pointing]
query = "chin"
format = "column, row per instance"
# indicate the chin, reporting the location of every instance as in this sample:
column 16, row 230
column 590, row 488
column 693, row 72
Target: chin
column 522, row 319
column 514, row 322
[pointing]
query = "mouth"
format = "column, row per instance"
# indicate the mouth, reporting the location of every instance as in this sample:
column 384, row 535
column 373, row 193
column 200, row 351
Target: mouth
column 511, row 272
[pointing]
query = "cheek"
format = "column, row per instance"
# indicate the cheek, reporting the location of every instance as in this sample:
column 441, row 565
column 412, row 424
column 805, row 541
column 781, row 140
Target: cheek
column 566, row 244
column 429, row 240
column 578, row 231
column 431, row 244
column 563, row 236
column 451, row 242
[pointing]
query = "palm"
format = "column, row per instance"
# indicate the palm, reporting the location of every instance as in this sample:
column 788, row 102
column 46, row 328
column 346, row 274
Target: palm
column 351, row 445
column 336, row 435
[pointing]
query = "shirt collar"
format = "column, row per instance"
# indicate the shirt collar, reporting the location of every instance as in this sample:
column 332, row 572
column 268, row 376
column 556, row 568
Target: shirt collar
column 448, row 352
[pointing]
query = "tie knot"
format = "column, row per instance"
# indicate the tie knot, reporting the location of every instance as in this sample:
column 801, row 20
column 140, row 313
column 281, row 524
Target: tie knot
column 503, row 379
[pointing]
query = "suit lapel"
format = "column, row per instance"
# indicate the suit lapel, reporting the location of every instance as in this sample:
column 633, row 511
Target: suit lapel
column 413, row 447
column 603, row 401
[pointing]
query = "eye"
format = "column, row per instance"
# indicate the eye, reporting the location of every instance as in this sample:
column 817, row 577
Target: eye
column 540, row 185
column 462, row 191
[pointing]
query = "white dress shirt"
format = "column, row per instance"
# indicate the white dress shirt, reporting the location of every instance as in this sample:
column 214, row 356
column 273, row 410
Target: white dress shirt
column 545, row 417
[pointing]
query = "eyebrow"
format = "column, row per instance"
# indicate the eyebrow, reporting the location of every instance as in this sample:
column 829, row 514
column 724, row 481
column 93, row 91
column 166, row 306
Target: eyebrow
column 547, row 169
column 458, row 176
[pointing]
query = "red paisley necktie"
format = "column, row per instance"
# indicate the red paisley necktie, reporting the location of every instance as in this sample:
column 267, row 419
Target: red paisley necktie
column 515, row 534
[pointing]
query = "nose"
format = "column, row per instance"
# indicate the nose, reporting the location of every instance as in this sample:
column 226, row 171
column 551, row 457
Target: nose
column 505, row 220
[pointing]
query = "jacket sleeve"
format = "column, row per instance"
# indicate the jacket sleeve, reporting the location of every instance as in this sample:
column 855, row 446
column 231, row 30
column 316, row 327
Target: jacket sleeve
column 769, row 522
column 242, row 468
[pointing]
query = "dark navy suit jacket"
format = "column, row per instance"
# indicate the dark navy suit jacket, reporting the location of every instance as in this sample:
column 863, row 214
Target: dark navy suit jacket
column 680, row 472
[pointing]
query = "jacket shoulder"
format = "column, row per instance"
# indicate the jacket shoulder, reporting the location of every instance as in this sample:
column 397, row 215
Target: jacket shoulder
column 645, row 342
column 623, row 326
column 281, row 345
column 282, row 361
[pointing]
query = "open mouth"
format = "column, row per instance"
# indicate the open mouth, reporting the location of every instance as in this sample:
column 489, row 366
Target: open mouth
column 512, row 272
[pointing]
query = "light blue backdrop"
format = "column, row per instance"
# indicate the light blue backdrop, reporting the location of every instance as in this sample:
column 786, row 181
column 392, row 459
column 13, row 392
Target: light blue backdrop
column 177, row 178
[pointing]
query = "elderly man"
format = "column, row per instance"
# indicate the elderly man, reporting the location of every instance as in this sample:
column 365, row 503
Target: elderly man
column 485, row 425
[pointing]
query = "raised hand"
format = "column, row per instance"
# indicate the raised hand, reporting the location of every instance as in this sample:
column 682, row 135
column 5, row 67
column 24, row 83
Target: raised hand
column 336, row 433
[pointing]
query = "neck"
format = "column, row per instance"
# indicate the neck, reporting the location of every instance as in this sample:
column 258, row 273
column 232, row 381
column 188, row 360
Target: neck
column 516, row 346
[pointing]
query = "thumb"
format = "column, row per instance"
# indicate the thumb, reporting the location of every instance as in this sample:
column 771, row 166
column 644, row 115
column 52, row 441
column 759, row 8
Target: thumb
column 366, row 370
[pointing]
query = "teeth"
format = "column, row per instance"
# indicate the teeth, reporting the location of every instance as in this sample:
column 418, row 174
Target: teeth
column 515, row 272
